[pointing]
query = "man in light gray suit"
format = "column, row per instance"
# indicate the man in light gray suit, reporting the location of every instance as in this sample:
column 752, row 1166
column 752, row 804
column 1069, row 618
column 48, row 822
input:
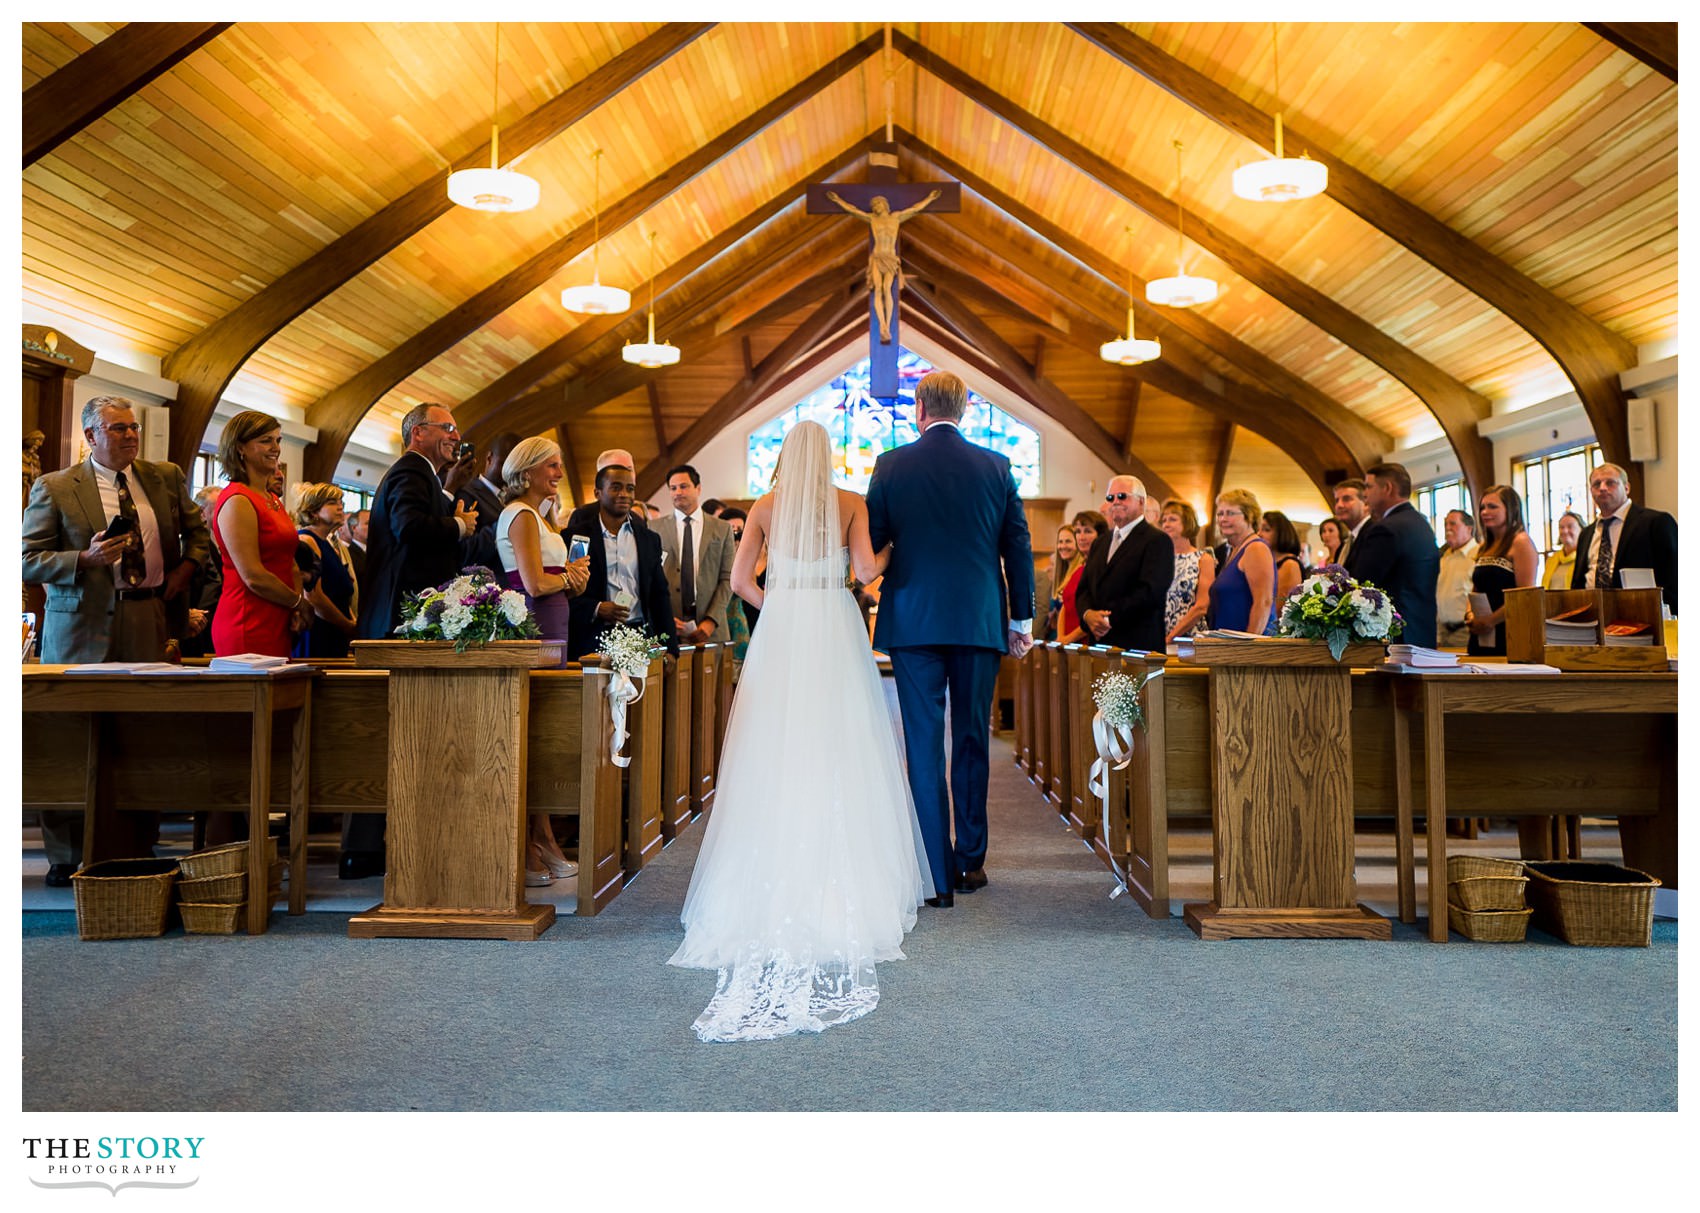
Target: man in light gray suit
column 109, row 597
column 697, row 551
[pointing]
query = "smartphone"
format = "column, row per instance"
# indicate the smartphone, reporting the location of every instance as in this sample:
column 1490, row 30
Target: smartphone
column 578, row 548
column 119, row 525
column 463, row 450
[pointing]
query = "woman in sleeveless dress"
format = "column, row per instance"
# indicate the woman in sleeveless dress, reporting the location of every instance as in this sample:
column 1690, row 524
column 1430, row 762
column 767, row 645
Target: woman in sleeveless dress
column 1195, row 570
column 261, row 604
column 1243, row 595
column 812, row 864
column 1506, row 558
column 534, row 562
column 319, row 513
column 1278, row 531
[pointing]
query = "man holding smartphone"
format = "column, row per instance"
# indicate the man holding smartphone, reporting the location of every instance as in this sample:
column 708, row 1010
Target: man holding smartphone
column 116, row 541
column 626, row 583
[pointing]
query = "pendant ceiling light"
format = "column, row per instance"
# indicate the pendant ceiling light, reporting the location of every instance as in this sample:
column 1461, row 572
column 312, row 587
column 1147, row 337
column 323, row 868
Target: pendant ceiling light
column 494, row 188
column 1182, row 290
column 1280, row 179
column 1129, row 350
column 649, row 354
column 592, row 298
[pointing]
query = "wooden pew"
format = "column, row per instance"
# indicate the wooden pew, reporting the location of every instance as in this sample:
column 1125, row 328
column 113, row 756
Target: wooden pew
column 676, row 746
column 705, row 703
column 194, row 762
column 1024, row 713
column 1041, row 657
column 644, row 779
column 1061, row 754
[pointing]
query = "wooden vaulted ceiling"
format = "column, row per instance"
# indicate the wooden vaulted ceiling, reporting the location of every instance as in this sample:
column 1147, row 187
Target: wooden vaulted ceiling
column 262, row 207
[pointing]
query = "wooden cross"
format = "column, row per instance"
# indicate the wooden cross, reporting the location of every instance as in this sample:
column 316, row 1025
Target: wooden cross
column 898, row 196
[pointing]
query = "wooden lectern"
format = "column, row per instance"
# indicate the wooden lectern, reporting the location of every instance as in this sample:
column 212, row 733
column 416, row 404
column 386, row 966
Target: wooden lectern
column 456, row 812
column 1281, row 783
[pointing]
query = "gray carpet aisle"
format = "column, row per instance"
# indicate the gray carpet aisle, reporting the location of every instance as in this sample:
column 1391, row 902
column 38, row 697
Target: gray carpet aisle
column 1038, row 993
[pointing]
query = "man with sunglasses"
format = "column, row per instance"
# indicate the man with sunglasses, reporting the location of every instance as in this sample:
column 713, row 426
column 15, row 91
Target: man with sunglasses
column 1126, row 578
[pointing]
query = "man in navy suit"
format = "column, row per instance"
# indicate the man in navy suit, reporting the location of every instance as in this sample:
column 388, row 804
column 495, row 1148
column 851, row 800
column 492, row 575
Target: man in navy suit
column 1639, row 538
column 953, row 516
column 1396, row 552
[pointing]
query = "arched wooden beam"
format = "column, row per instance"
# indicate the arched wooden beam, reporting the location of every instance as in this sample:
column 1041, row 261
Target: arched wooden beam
column 1366, row 442
column 568, row 401
column 1308, row 444
column 204, row 365
column 1652, row 42
column 56, row 107
column 1043, row 395
column 609, row 379
column 1590, row 355
column 1453, row 405
column 788, row 360
column 587, row 333
column 338, row 412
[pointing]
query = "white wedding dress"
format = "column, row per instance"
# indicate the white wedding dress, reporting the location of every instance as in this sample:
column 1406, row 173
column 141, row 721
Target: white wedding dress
column 812, row 863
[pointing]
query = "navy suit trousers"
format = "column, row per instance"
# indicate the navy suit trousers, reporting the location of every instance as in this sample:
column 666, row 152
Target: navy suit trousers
column 923, row 674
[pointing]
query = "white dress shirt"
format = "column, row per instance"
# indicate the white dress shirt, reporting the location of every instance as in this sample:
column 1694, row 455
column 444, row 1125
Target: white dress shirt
column 107, row 480
column 1622, row 515
column 1119, row 534
column 621, row 552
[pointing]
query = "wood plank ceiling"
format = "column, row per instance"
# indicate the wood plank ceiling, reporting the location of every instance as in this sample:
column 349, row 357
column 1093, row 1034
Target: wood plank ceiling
column 266, row 214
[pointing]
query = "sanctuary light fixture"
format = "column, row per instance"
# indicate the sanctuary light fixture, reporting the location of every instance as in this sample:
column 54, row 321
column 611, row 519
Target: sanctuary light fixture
column 494, row 188
column 1130, row 351
column 1182, row 290
column 1280, row 179
column 649, row 354
column 592, row 298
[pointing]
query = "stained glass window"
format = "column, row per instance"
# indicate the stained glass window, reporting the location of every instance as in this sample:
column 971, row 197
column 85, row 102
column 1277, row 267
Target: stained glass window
column 862, row 428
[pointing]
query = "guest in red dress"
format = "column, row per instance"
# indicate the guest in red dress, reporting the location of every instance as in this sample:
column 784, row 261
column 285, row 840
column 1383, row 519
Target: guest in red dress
column 1089, row 527
column 261, row 605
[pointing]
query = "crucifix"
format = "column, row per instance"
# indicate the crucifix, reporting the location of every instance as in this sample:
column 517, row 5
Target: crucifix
column 884, row 203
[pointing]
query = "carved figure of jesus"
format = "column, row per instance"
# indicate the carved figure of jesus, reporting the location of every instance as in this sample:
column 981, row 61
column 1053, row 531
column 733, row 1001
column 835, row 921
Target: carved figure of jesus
column 885, row 274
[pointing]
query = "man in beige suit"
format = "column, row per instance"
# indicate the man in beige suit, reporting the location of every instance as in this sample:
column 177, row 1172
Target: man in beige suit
column 109, row 598
column 697, row 552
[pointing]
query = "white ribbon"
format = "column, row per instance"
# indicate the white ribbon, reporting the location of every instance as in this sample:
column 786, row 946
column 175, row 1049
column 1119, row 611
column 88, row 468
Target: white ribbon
column 1115, row 745
column 623, row 691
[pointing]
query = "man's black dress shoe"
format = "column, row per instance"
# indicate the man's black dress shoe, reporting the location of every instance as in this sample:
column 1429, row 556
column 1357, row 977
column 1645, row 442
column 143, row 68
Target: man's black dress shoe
column 968, row 882
column 357, row 865
column 942, row 902
column 59, row 875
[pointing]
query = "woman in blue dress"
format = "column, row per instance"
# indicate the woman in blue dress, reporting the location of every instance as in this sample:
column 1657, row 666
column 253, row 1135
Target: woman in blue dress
column 1243, row 593
column 318, row 513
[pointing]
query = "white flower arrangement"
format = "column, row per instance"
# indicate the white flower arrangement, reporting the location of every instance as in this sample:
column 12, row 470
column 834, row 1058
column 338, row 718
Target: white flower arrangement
column 1117, row 697
column 471, row 609
column 626, row 650
column 1330, row 606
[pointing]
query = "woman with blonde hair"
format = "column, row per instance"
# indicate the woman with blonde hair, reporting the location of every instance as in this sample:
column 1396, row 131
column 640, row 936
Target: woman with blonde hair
column 1243, row 593
column 318, row 513
column 1064, row 561
column 261, row 603
column 1089, row 527
column 536, row 562
column 1195, row 570
column 1506, row 558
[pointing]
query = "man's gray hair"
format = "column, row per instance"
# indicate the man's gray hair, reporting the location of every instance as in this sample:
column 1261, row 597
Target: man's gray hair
column 414, row 417
column 944, row 396
column 91, row 410
column 1138, row 489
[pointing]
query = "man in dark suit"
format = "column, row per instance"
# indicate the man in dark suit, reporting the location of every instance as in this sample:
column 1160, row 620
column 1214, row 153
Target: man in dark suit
column 484, row 495
column 417, row 538
column 958, row 532
column 117, row 598
column 1396, row 552
column 1624, row 536
column 1126, row 579
column 626, row 583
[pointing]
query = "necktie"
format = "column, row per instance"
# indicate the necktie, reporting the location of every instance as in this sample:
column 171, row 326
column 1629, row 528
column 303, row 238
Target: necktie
column 1602, row 564
column 688, row 573
column 132, row 564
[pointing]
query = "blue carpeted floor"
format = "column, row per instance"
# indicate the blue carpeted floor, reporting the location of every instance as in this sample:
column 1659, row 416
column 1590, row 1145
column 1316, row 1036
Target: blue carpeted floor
column 1037, row 993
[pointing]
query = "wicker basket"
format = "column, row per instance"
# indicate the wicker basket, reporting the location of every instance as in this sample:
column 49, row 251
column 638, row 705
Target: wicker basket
column 221, row 918
column 214, row 890
column 1593, row 904
column 124, row 898
column 1469, row 867
column 223, row 861
column 1479, row 893
column 1488, row 926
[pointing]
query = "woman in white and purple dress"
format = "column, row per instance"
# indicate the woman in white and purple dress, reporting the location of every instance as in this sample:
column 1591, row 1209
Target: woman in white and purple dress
column 534, row 562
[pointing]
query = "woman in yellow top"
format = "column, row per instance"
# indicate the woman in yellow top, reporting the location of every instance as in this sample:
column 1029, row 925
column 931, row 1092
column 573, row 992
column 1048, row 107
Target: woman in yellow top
column 1560, row 564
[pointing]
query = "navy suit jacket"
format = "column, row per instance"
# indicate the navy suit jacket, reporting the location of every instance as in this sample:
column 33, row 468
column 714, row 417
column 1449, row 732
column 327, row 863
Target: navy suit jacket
column 1397, row 553
column 1646, row 539
column 583, row 627
column 1133, row 587
column 414, row 542
column 952, row 514
column 482, row 547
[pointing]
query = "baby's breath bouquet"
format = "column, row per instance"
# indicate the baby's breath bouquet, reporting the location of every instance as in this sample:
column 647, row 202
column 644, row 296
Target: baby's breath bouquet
column 472, row 609
column 626, row 650
column 1117, row 697
column 1329, row 605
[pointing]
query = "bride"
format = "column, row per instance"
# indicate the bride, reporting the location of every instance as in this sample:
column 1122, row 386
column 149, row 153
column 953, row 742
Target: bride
column 810, row 869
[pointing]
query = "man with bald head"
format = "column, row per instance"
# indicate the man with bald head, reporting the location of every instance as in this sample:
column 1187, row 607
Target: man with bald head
column 1127, row 575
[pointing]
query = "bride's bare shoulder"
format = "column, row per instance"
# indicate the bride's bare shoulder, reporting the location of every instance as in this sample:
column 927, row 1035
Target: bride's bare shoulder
column 762, row 510
column 849, row 501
